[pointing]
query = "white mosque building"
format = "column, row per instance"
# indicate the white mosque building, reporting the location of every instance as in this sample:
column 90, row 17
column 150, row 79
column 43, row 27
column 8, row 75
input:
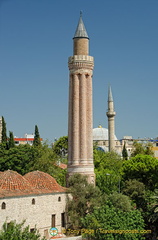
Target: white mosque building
column 101, row 141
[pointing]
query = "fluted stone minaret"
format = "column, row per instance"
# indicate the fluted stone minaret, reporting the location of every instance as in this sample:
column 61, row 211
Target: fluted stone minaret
column 111, row 121
column 80, row 139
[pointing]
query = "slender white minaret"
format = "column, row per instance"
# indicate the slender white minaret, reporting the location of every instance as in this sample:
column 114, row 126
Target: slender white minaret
column 111, row 121
column 80, row 139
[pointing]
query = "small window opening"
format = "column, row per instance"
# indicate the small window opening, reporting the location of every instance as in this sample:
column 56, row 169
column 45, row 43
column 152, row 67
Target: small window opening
column 59, row 199
column 33, row 201
column 3, row 205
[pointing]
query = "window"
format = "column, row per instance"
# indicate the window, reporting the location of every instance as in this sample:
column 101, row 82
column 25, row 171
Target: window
column 3, row 206
column 33, row 201
column 63, row 219
column 59, row 199
column 53, row 220
column 32, row 230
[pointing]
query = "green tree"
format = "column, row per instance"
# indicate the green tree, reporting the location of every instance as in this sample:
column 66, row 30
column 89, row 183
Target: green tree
column 20, row 158
column 120, row 201
column 142, row 148
column 60, row 147
column 4, row 131
column 136, row 191
column 144, row 168
column 84, row 198
column 124, row 152
column 37, row 140
column 14, row 231
column 26, row 158
column 11, row 143
column 108, row 167
column 109, row 160
column 154, row 216
column 107, row 222
column 45, row 161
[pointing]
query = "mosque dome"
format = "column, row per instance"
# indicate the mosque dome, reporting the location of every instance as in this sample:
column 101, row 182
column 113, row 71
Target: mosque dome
column 11, row 180
column 43, row 181
column 33, row 183
column 100, row 134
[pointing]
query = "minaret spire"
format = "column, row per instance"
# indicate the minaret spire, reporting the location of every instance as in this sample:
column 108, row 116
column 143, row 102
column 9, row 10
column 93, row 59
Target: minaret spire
column 110, row 97
column 81, row 39
column 80, row 139
column 111, row 122
column 81, row 30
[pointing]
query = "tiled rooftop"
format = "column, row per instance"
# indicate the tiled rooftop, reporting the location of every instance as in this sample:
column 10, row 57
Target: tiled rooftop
column 11, row 180
column 33, row 183
column 41, row 180
column 61, row 165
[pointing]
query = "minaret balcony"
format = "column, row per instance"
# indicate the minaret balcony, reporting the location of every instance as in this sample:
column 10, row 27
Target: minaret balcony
column 111, row 114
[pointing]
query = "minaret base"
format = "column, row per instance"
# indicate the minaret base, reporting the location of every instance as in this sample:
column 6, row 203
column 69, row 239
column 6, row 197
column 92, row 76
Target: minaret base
column 87, row 170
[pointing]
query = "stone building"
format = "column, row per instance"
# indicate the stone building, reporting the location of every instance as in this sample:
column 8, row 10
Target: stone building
column 35, row 197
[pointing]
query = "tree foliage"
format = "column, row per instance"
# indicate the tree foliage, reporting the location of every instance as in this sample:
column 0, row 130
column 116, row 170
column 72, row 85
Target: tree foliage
column 120, row 202
column 14, row 231
column 84, row 198
column 20, row 158
column 136, row 191
column 60, row 147
column 124, row 152
column 108, row 170
column 142, row 148
column 107, row 160
column 36, row 141
column 26, row 158
column 11, row 143
column 4, row 131
column 107, row 223
column 144, row 168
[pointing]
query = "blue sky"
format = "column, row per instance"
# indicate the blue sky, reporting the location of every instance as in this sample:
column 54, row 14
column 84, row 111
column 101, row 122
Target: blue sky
column 36, row 41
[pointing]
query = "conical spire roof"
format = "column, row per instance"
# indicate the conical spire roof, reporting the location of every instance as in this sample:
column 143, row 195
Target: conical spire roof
column 110, row 97
column 81, row 30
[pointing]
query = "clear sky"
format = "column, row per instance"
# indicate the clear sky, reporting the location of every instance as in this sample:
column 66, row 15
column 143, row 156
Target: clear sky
column 36, row 41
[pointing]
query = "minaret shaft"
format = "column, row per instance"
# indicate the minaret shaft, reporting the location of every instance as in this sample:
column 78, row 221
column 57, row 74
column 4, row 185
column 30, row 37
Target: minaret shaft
column 111, row 122
column 80, row 141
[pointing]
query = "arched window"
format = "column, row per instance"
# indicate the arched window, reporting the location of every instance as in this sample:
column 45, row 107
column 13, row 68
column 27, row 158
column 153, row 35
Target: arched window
column 59, row 199
column 3, row 205
column 33, row 201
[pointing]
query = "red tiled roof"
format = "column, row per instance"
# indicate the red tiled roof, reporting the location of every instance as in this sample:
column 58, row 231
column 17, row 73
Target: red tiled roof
column 34, row 183
column 41, row 180
column 61, row 165
column 11, row 180
column 25, row 139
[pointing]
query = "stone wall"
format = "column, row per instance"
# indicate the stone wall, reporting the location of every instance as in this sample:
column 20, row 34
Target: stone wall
column 38, row 214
